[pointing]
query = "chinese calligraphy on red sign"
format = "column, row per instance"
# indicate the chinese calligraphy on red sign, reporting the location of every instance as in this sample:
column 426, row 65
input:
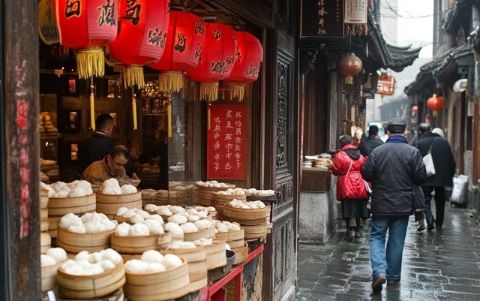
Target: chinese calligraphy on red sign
column 386, row 84
column 227, row 142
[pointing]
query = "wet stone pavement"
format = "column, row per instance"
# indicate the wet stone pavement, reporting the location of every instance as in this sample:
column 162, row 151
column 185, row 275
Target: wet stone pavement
column 437, row 265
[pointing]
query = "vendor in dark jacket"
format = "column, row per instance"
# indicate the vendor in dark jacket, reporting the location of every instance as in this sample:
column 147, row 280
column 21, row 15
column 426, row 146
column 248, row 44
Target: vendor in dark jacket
column 445, row 166
column 99, row 145
column 392, row 169
column 371, row 142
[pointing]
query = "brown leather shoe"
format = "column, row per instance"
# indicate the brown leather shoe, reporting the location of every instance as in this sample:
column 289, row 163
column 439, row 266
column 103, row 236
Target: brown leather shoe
column 377, row 283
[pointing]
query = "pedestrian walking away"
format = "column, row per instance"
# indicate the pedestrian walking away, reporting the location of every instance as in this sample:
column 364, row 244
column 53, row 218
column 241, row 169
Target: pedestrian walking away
column 433, row 142
column 371, row 142
column 392, row 169
column 351, row 190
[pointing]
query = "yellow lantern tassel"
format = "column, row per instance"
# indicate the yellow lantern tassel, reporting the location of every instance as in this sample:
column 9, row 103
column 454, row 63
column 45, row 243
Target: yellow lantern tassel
column 133, row 75
column 169, row 119
column 237, row 91
column 209, row 91
column 171, row 81
column 435, row 114
column 90, row 62
column 92, row 104
column 208, row 115
column 134, row 111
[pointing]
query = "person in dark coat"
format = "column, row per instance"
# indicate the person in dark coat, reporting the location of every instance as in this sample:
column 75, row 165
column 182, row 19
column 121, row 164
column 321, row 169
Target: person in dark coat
column 351, row 190
column 392, row 169
column 99, row 145
column 371, row 142
column 422, row 129
column 445, row 167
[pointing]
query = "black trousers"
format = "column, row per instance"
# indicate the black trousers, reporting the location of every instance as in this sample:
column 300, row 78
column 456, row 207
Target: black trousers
column 439, row 204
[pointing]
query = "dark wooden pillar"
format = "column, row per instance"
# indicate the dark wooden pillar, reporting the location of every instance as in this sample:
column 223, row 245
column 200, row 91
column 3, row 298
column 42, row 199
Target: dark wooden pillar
column 282, row 154
column 20, row 266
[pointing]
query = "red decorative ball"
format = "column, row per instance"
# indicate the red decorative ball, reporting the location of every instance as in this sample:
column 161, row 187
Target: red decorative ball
column 435, row 103
column 415, row 109
column 350, row 64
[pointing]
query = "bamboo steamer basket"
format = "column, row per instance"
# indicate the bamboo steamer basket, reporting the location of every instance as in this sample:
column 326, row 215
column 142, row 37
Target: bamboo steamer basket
column 197, row 285
column 49, row 274
column 164, row 240
column 76, row 210
column 241, row 254
column 135, row 244
column 216, row 256
column 190, row 255
column 203, row 233
column 205, row 194
column 197, row 261
column 236, row 243
column 109, row 204
column 71, row 202
column 255, row 232
column 220, row 200
column 53, row 225
column 245, row 215
column 116, row 296
column 94, row 286
column 43, row 200
column 230, row 235
column 77, row 242
column 45, row 242
column 170, row 284
column 44, row 214
column 44, row 226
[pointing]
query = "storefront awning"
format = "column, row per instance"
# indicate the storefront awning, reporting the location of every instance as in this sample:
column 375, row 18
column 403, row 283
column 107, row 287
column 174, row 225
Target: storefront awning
column 386, row 55
column 438, row 69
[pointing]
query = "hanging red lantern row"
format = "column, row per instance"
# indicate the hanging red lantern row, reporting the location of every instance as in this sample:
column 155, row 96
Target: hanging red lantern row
column 216, row 63
column 141, row 40
column 184, row 46
column 248, row 57
column 435, row 103
column 349, row 66
column 87, row 25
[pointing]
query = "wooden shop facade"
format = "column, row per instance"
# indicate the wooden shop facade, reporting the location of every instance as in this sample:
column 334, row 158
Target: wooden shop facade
column 41, row 89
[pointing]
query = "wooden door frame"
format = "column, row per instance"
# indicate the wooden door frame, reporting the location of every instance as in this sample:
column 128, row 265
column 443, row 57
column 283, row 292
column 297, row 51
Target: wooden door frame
column 20, row 147
column 5, row 241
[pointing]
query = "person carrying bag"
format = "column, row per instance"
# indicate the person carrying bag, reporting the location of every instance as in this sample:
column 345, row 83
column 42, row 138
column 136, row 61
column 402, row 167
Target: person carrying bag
column 351, row 188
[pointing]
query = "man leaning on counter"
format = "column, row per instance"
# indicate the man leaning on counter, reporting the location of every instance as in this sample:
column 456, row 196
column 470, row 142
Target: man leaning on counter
column 111, row 166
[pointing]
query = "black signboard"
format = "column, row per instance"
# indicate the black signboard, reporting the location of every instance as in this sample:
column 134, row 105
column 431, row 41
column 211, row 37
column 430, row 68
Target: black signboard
column 321, row 19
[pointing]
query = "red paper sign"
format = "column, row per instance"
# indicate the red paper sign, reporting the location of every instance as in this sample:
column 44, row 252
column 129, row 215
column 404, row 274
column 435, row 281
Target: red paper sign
column 227, row 142
column 386, row 85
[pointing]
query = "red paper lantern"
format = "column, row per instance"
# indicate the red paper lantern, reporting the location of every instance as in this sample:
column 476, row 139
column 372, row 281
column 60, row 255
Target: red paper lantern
column 248, row 56
column 216, row 63
column 435, row 103
column 87, row 25
column 184, row 46
column 142, row 36
column 350, row 65
column 414, row 110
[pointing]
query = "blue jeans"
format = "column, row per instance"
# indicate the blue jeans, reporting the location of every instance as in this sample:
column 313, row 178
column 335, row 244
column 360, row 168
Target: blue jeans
column 387, row 261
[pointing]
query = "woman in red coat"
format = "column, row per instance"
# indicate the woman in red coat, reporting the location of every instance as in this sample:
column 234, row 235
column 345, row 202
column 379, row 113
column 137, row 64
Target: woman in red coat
column 351, row 190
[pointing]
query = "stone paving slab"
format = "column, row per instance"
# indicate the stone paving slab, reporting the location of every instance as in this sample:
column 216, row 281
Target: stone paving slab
column 437, row 265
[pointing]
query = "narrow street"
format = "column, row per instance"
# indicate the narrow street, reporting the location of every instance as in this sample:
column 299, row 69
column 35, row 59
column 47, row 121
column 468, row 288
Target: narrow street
column 436, row 265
